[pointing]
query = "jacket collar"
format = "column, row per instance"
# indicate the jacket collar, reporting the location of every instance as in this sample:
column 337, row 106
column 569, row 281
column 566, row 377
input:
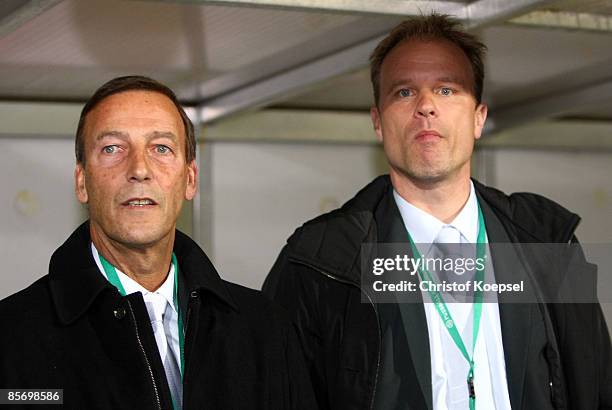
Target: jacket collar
column 75, row 281
column 532, row 217
column 198, row 271
column 332, row 242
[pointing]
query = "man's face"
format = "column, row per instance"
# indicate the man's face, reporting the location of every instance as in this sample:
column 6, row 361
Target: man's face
column 427, row 116
column 135, row 176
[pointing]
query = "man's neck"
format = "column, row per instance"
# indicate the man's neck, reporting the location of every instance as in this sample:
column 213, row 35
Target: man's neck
column 442, row 199
column 149, row 266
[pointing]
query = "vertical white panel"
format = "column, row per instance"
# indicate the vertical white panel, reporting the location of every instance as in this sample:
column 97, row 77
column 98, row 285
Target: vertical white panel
column 262, row 192
column 39, row 207
column 580, row 181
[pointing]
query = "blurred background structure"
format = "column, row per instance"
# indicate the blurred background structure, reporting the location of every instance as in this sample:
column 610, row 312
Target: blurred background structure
column 279, row 91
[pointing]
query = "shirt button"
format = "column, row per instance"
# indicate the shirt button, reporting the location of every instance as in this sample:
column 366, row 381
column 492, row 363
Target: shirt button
column 194, row 294
column 119, row 312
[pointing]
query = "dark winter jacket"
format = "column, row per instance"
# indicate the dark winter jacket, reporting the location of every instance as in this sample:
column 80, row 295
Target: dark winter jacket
column 72, row 330
column 556, row 355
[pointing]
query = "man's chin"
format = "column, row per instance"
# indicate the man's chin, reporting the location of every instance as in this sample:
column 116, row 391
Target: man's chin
column 430, row 177
column 138, row 237
column 425, row 175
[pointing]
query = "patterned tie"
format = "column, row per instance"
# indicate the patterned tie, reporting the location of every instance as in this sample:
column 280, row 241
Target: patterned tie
column 159, row 309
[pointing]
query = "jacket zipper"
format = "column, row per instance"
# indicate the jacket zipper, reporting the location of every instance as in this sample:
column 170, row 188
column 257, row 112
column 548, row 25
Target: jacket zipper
column 348, row 282
column 185, row 328
column 192, row 295
column 186, row 322
column 144, row 354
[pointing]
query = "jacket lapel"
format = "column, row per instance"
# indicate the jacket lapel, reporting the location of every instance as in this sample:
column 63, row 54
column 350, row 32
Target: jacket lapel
column 391, row 230
column 197, row 273
column 74, row 279
column 515, row 318
column 516, row 329
column 415, row 327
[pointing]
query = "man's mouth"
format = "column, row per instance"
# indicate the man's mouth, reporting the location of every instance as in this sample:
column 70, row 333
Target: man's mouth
column 139, row 202
column 428, row 135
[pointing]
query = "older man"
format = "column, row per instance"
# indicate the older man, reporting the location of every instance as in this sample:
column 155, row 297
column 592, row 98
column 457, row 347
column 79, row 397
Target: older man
column 427, row 76
column 132, row 314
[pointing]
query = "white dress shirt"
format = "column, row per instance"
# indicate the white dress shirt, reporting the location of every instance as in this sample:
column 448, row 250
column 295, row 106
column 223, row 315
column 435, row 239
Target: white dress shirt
column 449, row 369
column 152, row 302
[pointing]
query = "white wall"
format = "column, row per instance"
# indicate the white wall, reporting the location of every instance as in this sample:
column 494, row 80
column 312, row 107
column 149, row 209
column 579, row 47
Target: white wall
column 39, row 208
column 580, row 181
column 262, row 192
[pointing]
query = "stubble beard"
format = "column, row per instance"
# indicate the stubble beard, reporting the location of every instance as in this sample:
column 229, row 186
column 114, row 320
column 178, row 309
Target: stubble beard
column 423, row 172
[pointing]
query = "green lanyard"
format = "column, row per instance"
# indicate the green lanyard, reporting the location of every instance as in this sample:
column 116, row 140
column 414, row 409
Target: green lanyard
column 445, row 314
column 113, row 278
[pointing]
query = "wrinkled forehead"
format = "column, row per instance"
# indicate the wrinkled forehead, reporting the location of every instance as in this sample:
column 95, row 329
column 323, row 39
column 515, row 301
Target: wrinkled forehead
column 134, row 111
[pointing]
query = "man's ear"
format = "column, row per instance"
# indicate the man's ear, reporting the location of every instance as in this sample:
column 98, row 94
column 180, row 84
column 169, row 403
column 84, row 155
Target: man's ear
column 480, row 116
column 375, row 115
column 192, row 180
column 79, row 184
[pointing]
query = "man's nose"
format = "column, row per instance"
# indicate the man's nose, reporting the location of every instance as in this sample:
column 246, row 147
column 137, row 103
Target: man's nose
column 139, row 167
column 425, row 107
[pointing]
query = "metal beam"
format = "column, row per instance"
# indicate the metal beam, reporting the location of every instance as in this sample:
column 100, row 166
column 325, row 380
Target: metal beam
column 379, row 7
column 15, row 13
column 574, row 135
column 52, row 119
column 566, row 20
column 320, row 126
column 288, row 81
column 357, row 30
column 483, row 12
column 549, row 106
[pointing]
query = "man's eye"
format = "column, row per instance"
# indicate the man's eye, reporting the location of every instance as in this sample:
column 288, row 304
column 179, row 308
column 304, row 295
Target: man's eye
column 162, row 149
column 404, row 92
column 446, row 91
column 110, row 149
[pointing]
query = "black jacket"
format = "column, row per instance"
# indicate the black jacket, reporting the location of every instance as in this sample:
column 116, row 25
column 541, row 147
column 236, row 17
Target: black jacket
column 557, row 356
column 72, row 330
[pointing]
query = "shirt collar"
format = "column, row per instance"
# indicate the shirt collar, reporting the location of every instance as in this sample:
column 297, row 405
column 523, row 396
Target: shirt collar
column 131, row 286
column 467, row 220
column 424, row 228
